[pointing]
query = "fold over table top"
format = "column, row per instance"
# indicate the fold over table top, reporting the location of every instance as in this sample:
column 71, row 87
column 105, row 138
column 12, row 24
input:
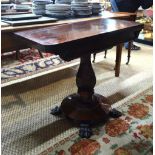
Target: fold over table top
column 80, row 36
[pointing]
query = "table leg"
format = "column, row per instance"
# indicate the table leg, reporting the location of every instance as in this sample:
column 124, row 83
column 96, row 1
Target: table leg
column 105, row 54
column 85, row 104
column 17, row 54
column 118, row 59
column 94, row 57
column 86, row 107
column 56, row 111
column 129, row 51
column 40, row 53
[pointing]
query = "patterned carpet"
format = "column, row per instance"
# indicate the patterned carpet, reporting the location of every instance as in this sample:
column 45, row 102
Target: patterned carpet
column 29, row 65
column 28, row 127
column 131, row 134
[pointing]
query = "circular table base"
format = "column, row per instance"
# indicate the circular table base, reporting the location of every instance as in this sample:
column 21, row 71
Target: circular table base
column 86, row 112
column 82, row 109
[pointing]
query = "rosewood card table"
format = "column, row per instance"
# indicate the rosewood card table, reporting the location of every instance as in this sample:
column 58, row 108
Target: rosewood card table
column 79, row 40
column 9, row 42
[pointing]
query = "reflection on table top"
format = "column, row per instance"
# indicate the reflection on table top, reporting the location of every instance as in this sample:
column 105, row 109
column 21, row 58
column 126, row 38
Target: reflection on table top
column 54, row 35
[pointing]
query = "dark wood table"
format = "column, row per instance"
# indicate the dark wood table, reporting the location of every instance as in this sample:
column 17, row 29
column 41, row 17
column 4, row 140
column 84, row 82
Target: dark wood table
column 79, row 40
column 10, row 43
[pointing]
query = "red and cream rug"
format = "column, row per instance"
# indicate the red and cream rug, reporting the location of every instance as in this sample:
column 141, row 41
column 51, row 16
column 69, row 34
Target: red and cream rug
column 131, row 134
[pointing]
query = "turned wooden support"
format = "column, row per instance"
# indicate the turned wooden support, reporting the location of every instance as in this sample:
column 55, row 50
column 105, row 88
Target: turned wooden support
column 85, row 78
column 85, row 105
column 118, row 59
column 129, row 51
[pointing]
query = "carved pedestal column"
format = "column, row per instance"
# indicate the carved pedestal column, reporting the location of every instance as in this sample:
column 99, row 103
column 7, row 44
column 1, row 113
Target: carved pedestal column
column 85, row 107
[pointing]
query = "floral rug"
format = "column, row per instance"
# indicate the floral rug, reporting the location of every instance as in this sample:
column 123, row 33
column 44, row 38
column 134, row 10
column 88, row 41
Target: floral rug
column 29, row 65
column 131, row 134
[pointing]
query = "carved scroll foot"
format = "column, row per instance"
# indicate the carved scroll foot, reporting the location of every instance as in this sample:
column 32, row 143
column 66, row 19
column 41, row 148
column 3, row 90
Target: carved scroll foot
column 85, row 131
column 56, row 111
column 115, row 113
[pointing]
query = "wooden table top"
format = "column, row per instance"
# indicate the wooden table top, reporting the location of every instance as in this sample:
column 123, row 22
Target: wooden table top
column 50, row 36
column 82, row 36
column 105, row 14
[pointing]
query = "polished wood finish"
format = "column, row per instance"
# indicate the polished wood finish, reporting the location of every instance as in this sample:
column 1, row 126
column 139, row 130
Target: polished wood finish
column 95, row 36
column 79, row 40
column 9, row 43
column 118, row 59
column 132, row 17
column 85, row 105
